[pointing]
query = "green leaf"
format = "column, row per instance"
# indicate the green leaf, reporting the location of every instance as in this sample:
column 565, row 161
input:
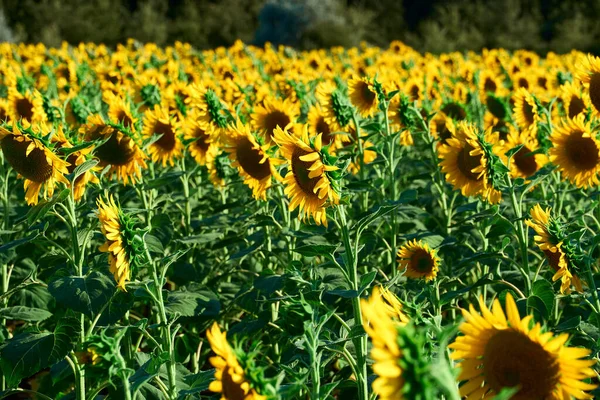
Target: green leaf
column 21, row 313
column 154, row 244
column 365, row 281
column 543, row 289
column 28, row 353
column 86, row 295
column 40, row 210
column 83, row 168
column 191, row 304
column 568, row 325
column 198, row 382
column 538, row 307
column 314, row 250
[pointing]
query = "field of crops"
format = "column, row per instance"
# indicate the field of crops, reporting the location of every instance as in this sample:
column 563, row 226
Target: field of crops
column 256, row 223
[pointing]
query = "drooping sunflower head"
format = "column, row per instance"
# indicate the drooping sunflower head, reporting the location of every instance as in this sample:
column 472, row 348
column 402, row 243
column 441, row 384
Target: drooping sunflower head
column 469, row 162
column 311, row 180
column 211, row 110
column 588, row 73
column 498, row 350
column 273, row 114
column 117, row 149
column 525, row 109
column 123, row 241
column 28, row 106
column 199, row 137
column 363, row 96
column 576, row 152
column 550, row 238
column 335, row 104
column 528, row 160
column 217, row 163
column 418, row 260
column 230, row 378
column 30, row 153
column 250, row 158
column 168, row 147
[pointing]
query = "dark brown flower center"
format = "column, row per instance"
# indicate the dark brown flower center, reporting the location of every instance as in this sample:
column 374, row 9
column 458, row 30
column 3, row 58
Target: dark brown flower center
column 367, row 95
column 201, row 142
column 489, row 85
column 167, row 141
column 34, row 166
column 581, row 151
column 421, row 262
column 511, row 359
column 249, row 159
column 466, row 162
column 231, row 390
column 455, row 111
column 300, row 170
column 525, row 161
column 323, row 127
column 576, row 106
column 125, row 119
column 24, row 108
column 595, row 90
column 528, row 113
column 115, row 151
column 276, row 119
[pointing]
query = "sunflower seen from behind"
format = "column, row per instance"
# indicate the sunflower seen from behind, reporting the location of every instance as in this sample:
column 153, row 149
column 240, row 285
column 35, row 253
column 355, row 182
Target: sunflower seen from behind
column 576, row 152
column 30, row 153
column 310, row 183
column 168, row 146
column 230, row 378
column 498, row 349
column 548, row 238
column 123, row 242
column 250, row 158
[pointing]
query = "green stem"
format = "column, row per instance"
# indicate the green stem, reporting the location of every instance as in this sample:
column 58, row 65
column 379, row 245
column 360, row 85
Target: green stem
column 521, row 236
column 391, row 164
column 592, row 285
column 360, row 343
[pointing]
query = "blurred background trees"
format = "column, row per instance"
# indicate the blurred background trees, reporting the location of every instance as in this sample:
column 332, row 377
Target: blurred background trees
column 428, row 25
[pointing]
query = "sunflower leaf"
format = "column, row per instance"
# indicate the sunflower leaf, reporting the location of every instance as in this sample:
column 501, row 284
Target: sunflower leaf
column 86, row 295
column 21, row 313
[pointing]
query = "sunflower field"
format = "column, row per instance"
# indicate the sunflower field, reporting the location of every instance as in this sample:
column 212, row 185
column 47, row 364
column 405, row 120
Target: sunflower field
column 252, row 223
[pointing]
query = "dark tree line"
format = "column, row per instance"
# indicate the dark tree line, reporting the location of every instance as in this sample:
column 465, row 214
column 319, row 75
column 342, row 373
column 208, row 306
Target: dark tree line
column 428, row 25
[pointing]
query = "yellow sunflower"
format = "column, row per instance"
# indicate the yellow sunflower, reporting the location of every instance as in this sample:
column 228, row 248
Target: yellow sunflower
column 500, row 350
column 574, row 101
column 576, row 152
column 250, row 158
column 230, row 378
column 211, row 110
column 363, row 96
column 525, row 110
column 168, row 147
column 33, row 160
column 382, row 317
column 418, row 260
column 540, row 222
column 272, row 114
column 589, row 74
column 524, row 164
column 465, row 163
column 216, row 167
column 442, row 128
column 28, row 107
column 116, row 245
column 119, row 111
column 119, row 152
column 200, row 137
column 308, row 185
column 317, row 124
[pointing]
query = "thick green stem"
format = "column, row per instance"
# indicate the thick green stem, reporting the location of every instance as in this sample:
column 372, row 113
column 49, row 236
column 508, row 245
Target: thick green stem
column 360, row 343
column 521, row 236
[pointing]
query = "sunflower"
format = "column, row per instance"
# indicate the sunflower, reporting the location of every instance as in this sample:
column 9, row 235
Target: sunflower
column 352, row 139
column 119, row 151
column 334, row 103
column 363, row 96
column 211, row 110
column 382, row 317
column 309, row 185
column 168, row 146
column 272, row 114
column 418, row 260
column 230, row 378
column 199, row 137
column 119, row 111
column 250, row 158
column 117, row 229
column 576, row 152
column 28, row 107
column 34, row 160
column 217, row 168
column 465, row 159
column 574, row 101
column 500, row 350
column 525, row 109
column 442, row 128
column 317, row 124
column 589, row 74
column 526, row 161
column 546, row 229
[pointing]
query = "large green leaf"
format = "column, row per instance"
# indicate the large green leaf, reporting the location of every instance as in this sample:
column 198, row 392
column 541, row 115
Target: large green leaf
column 21, row 313
column 28, row 353
column 190, row 304
column 86, row 295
